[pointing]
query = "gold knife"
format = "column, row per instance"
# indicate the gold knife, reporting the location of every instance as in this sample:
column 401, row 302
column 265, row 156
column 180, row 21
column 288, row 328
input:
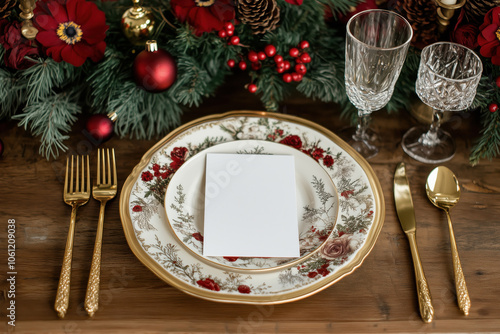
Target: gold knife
column 406, row 215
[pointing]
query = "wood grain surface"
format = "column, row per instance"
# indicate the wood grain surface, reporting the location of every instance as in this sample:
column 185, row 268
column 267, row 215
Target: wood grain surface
column 380, row 296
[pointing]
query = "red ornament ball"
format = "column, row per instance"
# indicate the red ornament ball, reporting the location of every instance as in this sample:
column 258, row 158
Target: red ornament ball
column 252, row 88
column 497, row 81
column 294, row 52
column 1, row 147
column 304, row 45
column 100, row 127
column 155, row 70
column 270, row 50
column 493, row 107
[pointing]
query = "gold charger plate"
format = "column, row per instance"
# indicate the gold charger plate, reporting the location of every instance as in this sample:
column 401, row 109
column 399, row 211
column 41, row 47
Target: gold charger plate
column 358, row 225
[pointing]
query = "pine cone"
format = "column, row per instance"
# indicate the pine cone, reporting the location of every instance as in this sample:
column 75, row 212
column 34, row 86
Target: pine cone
column 422, row 16
column 475, row 10
column 5, row 8
column 261, row 15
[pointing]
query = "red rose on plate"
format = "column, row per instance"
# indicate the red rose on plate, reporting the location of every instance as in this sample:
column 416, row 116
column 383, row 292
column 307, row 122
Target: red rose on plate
column 465, row 33
column 179, row 153
column 204, row 15
column 293, row 141
column 317, row 153
column 312, row 274
column 323, row 271
column 489, row 36
column 197, row 236
column 337, row 248
column 146, row 176
column 209, row 284
column 328, row 161
column 71, row 30
column 137, row 208
column 244, row 289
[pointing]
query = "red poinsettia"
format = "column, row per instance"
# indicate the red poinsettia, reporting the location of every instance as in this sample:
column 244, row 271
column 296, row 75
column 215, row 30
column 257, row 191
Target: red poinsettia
column 489, row 37
column 16, row 46
column 71, row 30
column 204, row 15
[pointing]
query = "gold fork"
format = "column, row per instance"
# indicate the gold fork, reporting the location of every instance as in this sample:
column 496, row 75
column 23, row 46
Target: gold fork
column 76, row 197
column 104, row 190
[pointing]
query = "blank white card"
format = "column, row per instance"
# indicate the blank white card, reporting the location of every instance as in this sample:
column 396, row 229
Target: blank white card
column 250, row 206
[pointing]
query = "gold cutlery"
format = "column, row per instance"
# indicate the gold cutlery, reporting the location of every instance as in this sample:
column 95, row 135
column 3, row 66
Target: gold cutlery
column 406, row 215
column 75, row 196
column 104, row 190
column 443, row 190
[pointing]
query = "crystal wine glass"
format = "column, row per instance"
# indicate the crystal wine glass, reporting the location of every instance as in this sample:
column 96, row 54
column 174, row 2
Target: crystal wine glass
column 377, row 42
column 448, row 76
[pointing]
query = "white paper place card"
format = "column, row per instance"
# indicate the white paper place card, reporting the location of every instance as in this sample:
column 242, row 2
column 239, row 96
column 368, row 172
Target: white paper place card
column 250, row 206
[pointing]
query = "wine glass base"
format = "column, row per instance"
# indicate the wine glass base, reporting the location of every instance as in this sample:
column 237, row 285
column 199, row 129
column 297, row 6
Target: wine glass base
column 366, row 145
column 417, row 144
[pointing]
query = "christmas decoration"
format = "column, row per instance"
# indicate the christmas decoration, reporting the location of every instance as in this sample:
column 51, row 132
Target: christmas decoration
column 155, row 69
column 101, row 127
column 1, row 147
column 20, row 54
column 71, row 31
column 204, row 15
column 6, row 7
column 465, row 33
column 488, row 39
column 138, row 23
column 493, row 107
column 261, row 15
column 423, row 19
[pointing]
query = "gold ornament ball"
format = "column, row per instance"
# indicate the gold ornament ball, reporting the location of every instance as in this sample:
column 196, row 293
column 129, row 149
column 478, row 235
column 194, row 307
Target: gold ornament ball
column 138, row 24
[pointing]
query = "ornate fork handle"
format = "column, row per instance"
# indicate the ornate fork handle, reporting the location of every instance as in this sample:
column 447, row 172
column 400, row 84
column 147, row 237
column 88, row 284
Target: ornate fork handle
column 92, row 294
column 62, row 297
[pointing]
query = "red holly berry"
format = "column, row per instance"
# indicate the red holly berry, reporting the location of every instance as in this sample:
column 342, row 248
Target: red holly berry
column 261, row 55
column 256, row 66
column 278, row 58
column 301, row 69
column 222, row 34
column 497, row 81
column 228, row 26
column 252, row 88
column 280, row 69
column 294, row 52
column 242, row 65
column 231, row 63
column 304, row 45
column 235, row 40
column 287, row 77
column 493, row 107
column 270, row 50
column 305, row 57
column 286, row 63
column 252, row 56
column 296, row 76
column 230, row 32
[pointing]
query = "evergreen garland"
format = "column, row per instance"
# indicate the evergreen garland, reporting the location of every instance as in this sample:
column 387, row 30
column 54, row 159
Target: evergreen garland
column 48, row 96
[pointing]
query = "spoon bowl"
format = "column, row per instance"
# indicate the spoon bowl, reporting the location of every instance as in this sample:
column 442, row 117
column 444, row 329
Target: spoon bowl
column 443, row 190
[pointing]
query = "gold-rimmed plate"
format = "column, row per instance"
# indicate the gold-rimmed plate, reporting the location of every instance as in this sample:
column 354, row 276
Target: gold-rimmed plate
column 317, row 204
column 361, row 210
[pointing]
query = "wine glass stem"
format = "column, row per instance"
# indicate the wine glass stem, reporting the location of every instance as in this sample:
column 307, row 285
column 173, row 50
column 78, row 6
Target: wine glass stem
column 430, row 138
column 363, row 121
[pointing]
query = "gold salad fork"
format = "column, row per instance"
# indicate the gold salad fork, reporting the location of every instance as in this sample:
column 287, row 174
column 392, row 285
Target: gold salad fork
column 104, row 190
column 76, row 197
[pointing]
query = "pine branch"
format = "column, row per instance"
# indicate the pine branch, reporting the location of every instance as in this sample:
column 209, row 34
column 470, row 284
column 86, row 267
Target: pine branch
column 11, row 93
column 51, row 118
column 488, row 146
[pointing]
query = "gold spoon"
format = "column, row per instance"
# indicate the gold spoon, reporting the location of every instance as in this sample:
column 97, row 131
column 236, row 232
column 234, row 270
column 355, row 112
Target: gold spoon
column 443, row 191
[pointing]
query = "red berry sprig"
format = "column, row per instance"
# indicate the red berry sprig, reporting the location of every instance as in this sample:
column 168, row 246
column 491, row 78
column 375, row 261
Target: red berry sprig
column 493, row 107
column 300, row 58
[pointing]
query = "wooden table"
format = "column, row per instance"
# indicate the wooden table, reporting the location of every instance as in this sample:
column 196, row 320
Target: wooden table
column 380, row 296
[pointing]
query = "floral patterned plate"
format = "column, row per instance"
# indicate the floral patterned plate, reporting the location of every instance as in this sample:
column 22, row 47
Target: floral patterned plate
column 317, row 203
column 361, row 210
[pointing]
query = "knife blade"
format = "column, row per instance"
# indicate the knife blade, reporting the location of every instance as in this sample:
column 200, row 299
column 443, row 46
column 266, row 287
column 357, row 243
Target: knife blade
column 406, row 215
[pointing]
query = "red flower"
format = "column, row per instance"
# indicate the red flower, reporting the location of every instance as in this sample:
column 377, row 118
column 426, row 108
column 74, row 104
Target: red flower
column 137, row 208
column 209, row 284
column 465, row 34
column 16, row 46
column 156, row 167
column 166, row 174
column 295, row 2
column 323, row 271
column 204, row 15
column 197, row 236
column 279, row 132
column 312, row 274
column 71, row 30
column 293, row 141
column 179, row 153
column 146, row 176
column 244, row 289
column 231, row 258
column 317, row 153
column 328, row 161
column 489, row 37
column 176, row 164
